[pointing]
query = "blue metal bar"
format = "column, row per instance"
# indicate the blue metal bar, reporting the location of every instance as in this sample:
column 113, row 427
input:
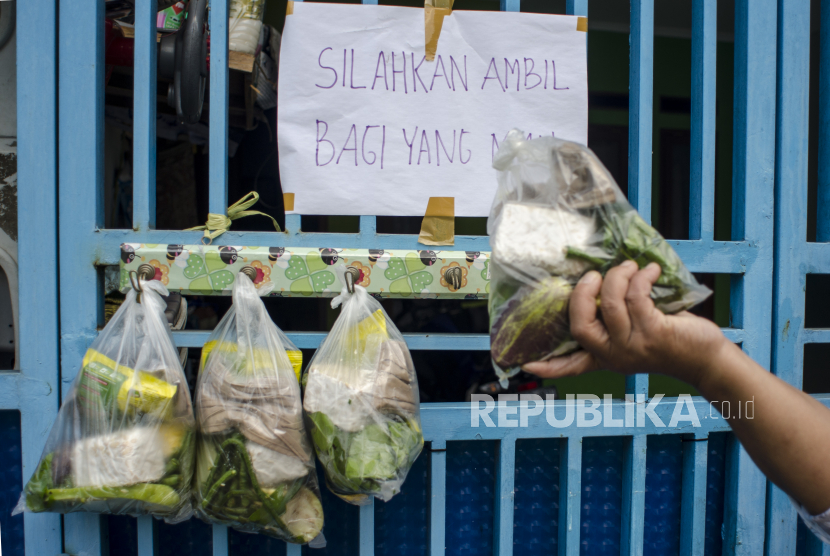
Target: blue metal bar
column 693, row 501
column 368, row 226
column 37, row 393
column 815, row 336
column 640, row 116
column 146, row 536
column 510, row 5
column 293, row 549
column 816, row 258
column 370, row 2
column 753, row 163
column 293, row 224
column 791, row 159
column 753, row 206
column 570, row 495
column 633, row 495
column 81, row 146
column 312, row 340
column 823, row 220
column 144, row 119
column 505, row 475
column 367, row 528
column 220, row 540
column 702, row 180
column 20, row 390
column 431, row 341
column 218, row 154
column 437, row 497
column 576, row 7
column 722, row 257
column 637, row 384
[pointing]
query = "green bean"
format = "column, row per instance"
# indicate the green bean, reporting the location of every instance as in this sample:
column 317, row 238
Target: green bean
column 171, row 481
column 171, row 466
column 266, row 500
column 215, row 488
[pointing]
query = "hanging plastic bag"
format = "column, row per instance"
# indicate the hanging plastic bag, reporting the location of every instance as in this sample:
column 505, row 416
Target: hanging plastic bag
column 361, row 402
column 254, row 464
column 123, row 442
column 558, row 214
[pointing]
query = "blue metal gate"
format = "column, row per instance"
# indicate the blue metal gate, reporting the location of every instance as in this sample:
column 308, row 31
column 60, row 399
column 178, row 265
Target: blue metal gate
column 60, row 157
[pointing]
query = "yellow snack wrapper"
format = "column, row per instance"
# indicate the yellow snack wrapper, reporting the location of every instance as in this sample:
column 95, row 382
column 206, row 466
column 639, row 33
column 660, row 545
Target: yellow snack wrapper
column 103, row 380
column 262, row 358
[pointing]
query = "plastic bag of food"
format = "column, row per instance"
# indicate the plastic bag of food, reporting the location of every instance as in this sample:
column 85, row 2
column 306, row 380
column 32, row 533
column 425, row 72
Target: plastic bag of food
column 558, row 214
column 123, row 442
column 361, row 402
column 254, row 464
column 245, row 25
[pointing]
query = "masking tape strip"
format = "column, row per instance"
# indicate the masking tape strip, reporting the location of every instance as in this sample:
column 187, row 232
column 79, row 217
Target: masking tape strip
column 289, row 8
column 288, row 201
column 582, row 24
column 438, row 226
column 434, row 13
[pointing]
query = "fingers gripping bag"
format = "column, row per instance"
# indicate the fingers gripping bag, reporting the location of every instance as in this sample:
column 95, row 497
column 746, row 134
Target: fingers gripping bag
column 255, row 467
column 361, row 402
column 123, row 441
column 558, row 214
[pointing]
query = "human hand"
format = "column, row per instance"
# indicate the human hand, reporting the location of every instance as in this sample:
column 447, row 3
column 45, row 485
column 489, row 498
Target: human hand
column 633, row 335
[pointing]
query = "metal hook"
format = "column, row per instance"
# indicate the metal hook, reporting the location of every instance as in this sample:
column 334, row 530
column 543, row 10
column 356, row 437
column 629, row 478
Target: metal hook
column 352, row 276
column 134, row 281
column 145, row 272
column 453, row 277
column 248, row 271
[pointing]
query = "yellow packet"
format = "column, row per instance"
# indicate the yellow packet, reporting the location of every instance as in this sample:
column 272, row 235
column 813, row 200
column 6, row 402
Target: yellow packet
column 103, row 380
column 262, row 358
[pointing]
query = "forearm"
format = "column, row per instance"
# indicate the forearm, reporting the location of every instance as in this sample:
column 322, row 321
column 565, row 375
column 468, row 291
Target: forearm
column 788, row 433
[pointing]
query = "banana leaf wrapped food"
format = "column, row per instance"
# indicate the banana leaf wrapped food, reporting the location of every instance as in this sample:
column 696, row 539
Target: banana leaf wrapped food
column 123, row 441
column 254, row 465
column 361, row 402
column 558, row 214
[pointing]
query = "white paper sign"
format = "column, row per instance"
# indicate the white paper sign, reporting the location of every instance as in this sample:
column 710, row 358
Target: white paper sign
column 367, row 126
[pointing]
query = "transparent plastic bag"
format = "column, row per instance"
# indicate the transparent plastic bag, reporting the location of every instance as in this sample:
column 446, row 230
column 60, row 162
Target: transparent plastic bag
column 361, row 402
column 123, row 442
column 254, row 464
column 558, row 214
column 245, row 25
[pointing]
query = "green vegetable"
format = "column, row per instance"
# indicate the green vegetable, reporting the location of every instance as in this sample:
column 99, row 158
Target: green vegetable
column 42, row 493
column 360, row 462
column 628, row 237
column 235, row 497
column 533, row 324
column 145, row 492
column 39, row 485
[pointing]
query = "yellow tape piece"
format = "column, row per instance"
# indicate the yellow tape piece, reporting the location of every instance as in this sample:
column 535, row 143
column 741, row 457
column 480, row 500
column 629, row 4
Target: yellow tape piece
column 582, row 24
column 288, row 201
column 434, row 13
column 289, row 8
column 438, row 226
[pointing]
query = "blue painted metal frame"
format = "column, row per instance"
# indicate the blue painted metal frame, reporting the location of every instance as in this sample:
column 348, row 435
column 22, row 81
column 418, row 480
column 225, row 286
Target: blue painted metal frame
column 748, row 257
column 794, row 257
column 34, row 390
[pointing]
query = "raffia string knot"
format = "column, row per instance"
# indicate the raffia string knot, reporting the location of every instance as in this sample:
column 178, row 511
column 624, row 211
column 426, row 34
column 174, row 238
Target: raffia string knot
column 218, row 224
